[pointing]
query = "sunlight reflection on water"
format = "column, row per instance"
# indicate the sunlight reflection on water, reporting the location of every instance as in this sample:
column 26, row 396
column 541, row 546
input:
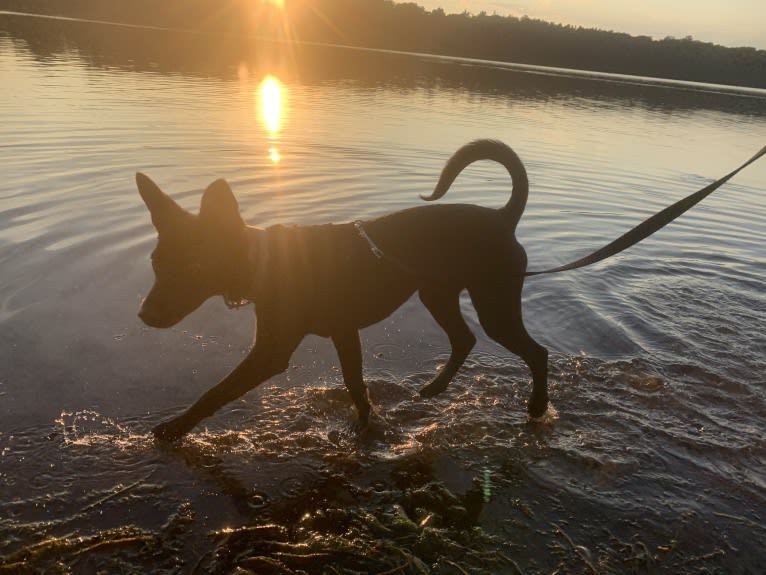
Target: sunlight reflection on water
column 271, row 98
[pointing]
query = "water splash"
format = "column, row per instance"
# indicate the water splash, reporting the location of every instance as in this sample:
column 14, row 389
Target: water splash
column 88, row 428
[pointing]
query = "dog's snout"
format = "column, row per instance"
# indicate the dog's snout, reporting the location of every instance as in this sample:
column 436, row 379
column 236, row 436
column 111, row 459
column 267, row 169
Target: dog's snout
column 151, row 319
column 145, row 317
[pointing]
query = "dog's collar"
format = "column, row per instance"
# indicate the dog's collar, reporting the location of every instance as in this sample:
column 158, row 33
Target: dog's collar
column 257, row 258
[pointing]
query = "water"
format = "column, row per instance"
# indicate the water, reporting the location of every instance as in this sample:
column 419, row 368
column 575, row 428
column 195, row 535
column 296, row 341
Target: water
column 657, row 460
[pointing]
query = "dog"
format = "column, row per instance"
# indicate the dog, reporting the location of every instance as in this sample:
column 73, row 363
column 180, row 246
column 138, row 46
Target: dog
column 333, row 280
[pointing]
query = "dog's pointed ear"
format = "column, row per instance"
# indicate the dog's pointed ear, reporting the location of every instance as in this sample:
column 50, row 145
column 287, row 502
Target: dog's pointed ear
column 219, row 207
column 161, row 206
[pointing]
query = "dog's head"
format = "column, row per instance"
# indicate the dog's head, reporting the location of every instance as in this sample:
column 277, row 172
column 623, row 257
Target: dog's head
column 197, row 256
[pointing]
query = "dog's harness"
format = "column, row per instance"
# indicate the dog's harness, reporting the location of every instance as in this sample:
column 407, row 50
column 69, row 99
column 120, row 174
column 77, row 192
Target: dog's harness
column 628, row 239
column 376, row 251
column 381, row 255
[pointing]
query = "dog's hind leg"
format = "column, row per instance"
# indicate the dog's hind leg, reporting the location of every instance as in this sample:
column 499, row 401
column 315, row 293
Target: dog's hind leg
column 350, row 355
column 444, row 305
column 498, row 305
column 268, row 357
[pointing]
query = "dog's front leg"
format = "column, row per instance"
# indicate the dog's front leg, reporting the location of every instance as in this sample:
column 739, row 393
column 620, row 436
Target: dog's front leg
column 350, row 354
column 268, row 357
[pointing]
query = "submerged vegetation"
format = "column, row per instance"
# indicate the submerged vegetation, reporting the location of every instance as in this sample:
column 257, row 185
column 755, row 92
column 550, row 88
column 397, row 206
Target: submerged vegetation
column 418, row 531
column 407, row 26
column 330, row 540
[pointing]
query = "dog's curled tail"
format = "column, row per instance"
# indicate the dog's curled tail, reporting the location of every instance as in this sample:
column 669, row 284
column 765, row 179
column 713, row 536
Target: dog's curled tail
column 488, row 150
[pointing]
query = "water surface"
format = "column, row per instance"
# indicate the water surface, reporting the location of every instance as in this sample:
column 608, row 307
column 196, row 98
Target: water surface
column 656, row 461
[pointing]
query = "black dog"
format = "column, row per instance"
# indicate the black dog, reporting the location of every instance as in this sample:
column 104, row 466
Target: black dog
column 333, row 280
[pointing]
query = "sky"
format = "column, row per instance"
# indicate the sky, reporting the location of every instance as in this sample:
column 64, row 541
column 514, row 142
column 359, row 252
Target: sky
column 726, row 22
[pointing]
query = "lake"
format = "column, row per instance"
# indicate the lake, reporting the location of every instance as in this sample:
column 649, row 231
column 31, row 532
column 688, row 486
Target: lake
column 656, row 462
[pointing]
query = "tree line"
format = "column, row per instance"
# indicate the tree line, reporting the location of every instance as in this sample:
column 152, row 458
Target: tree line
column 409, row 27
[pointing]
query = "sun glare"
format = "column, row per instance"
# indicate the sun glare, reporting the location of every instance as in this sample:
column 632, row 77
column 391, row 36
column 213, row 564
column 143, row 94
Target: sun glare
column 277, row 3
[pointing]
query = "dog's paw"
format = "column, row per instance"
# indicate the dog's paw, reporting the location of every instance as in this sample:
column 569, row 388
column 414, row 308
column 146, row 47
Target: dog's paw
column 363, row 416
column 547, row 415
column 537, row 404
column 372, row 429
column 434, row 388
column 170, row 431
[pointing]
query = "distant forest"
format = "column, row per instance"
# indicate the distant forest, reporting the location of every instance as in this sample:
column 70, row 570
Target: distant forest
column 409, row 27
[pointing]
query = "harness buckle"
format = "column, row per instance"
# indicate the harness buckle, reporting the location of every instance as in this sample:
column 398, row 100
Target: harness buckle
column 376, row 251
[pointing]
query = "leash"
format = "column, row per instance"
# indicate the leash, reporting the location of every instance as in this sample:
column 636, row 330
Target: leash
column 650, row 225
column 628, row 239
